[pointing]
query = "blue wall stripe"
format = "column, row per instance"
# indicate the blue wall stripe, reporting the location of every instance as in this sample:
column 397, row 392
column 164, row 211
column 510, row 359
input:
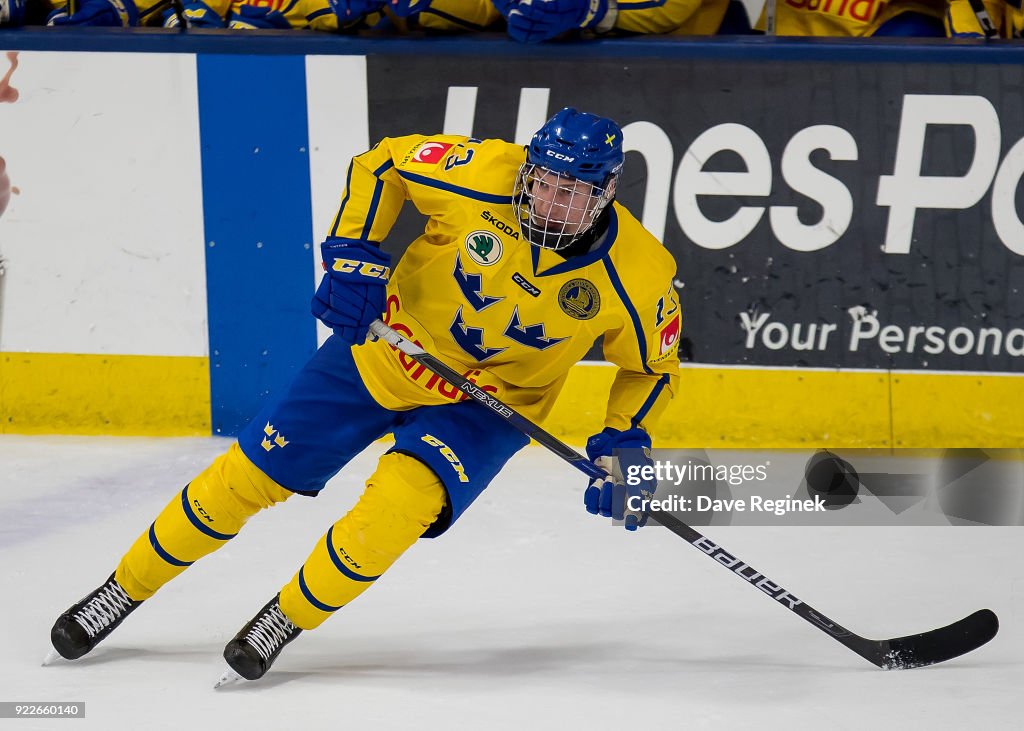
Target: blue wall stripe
column 748, row 49
column 256, row 204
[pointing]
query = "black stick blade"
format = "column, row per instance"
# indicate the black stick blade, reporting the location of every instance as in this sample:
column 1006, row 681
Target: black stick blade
column 938, row 645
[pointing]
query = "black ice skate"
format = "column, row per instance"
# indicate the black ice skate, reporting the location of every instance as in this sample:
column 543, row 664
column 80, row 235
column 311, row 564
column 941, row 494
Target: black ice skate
column 89, row 621
column 254, row 649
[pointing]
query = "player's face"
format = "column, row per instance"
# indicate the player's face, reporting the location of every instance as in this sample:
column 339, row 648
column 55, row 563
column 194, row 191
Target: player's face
column 560, row 203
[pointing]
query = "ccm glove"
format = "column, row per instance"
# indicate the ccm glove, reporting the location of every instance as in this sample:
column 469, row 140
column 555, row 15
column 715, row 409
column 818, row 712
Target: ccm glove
column 533, row 21
column 116, row 13
column 405, row 8
column 609, row 497
column 353, row 292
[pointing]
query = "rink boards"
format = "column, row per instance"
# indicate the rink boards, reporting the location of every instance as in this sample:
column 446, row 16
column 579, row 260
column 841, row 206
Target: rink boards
column 848, row 259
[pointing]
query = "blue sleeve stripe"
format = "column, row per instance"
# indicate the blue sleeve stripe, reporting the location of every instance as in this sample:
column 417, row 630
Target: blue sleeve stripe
column 342, row 241
column 161, row 552
column 641, row 341
column 641, row 5
column 348, row 192
column 651, row 400
column 318, row 13
column 312, row 599
column 340, row 565
column 375, row 201
column 198, row 523
column 457, row 189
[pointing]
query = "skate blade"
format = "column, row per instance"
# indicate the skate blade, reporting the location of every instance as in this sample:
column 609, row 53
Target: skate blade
column 51, row 657
column 230, row 677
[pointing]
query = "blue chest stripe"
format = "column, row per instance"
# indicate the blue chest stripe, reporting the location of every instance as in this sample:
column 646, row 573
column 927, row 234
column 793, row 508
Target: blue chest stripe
column 457, row 189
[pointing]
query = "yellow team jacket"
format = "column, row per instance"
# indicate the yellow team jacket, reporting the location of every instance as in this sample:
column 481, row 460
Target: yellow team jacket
column 510, row 316
column 300, row 14
column 676, row 17
column 843, row 18
column 1007, row 17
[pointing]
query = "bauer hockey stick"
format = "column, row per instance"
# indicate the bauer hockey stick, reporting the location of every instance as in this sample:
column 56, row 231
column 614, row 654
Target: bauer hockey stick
column 898, row 653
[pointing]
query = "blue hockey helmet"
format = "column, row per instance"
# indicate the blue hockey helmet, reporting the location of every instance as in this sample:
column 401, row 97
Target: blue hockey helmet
column 568, row 179
column 585, row 146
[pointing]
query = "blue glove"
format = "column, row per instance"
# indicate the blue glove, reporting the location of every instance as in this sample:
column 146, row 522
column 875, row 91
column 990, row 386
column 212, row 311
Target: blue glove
column 197, row 14
column 608, row 497
column 353, row 292
column 349, row 10
column 533, row 21
column 116, row 13
column 405, row 8
column 250, row 17
column 12, row 13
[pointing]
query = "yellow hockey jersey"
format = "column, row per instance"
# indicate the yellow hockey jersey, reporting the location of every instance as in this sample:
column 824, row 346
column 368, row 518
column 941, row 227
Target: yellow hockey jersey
column 1007, row 17
column 843, row 18
column 510, row 316
column 676, row 17
column 301, row 14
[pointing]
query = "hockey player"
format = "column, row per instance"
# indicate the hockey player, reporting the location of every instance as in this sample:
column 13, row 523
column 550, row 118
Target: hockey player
column 319, row 15
column 858, row 18
column 544, row 20
column 525, row 260
column 963, row 19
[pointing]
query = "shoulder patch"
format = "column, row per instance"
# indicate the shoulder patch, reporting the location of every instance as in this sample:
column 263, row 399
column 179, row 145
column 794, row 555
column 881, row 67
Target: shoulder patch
column 668, row 336
column 427, row 155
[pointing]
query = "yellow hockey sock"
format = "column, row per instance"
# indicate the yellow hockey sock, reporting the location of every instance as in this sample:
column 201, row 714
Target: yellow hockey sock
column 202, row 518
column 402, row 499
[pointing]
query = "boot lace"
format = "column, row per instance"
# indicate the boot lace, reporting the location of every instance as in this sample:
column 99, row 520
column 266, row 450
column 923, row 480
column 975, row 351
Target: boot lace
column 104, row 609
column 270, row 631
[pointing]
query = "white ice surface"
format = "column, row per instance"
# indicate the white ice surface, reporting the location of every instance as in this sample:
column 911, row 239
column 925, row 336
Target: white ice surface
column 529, row 614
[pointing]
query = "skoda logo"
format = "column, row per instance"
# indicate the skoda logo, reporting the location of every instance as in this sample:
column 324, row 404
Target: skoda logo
column 483, row 247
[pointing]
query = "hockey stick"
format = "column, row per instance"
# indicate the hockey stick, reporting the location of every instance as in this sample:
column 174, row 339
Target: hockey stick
column 898, row 653
column 984, row 20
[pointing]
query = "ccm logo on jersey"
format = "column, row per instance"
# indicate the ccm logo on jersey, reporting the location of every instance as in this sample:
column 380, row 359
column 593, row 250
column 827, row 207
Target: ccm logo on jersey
column 363, row 268
column 448, row 454
column 431, row 153
column 670, row 335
